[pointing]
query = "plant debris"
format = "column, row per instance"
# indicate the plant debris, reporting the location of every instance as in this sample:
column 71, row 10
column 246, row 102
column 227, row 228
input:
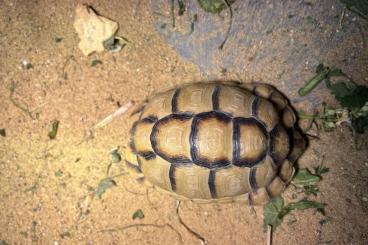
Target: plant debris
column 115, row 155
column 103, row 186
column 96, row 62
column 359, row 7
column 58, row 173
column 214, row 6
column 194, row 20
column 26, row 65
column 2, row 132
column 275, row 211
column 58, row 39
column 307, row 180
column 115, row 44
column 181, row 7
column 304, row 177
column 53, row 129
column 138, row 214
column 18, row 104
column 65, row 234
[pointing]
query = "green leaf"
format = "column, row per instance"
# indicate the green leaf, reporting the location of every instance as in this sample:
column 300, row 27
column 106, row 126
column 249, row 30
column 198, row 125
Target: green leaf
column 3, row 242
column 305, row 177
column 360, row 124
column 349, row 95
column 341, row 89
column 103, row 186
column 2, row 132
column 306, row 204
column 53, row 128
column 272, row 212
column 319, row 170
column 138, row 214
column 214, row 6
column 310, row 190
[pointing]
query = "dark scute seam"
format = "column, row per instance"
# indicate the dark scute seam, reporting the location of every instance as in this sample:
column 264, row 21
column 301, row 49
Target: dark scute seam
column 148, row 155
column 236, row 140
column 215, row 98
column 150, row 119
column 130, row 165
column 269, row 194
column 174, row 101
column 172, row 177
column 255, row 105
column 252, row 179
column 212, row 184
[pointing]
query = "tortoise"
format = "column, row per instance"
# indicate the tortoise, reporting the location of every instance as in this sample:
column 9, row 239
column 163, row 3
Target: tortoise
column 217, row 142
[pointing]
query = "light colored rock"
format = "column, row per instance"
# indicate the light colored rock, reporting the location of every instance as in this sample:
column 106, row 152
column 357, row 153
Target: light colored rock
column 92, row 29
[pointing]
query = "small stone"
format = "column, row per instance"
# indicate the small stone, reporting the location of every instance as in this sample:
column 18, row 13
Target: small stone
column 93, row 30
column 365, row 199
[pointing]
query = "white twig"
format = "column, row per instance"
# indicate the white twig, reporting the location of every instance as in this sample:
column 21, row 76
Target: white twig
column 111, row 117
column 269, row 235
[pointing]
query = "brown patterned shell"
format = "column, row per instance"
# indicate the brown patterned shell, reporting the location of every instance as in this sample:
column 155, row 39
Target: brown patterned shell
column 210, row 141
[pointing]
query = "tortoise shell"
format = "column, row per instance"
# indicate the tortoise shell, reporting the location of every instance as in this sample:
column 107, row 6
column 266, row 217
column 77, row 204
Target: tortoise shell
column 217, row 142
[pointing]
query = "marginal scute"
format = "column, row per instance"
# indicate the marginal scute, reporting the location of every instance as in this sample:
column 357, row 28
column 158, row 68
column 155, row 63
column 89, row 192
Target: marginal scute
column 266, row 113
column 263, row 90
column 286, row 171
column 288, row 117
column 141, row 136
column 276, row 187
column 259, row 198
column 299, row 145
column 278, row 100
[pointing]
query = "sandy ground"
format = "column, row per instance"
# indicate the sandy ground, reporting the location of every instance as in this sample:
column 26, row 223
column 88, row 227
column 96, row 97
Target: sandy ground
column 46, row 185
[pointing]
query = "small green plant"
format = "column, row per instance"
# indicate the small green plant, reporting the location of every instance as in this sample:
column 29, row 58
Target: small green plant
column 353, row 99
column 276, row 210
